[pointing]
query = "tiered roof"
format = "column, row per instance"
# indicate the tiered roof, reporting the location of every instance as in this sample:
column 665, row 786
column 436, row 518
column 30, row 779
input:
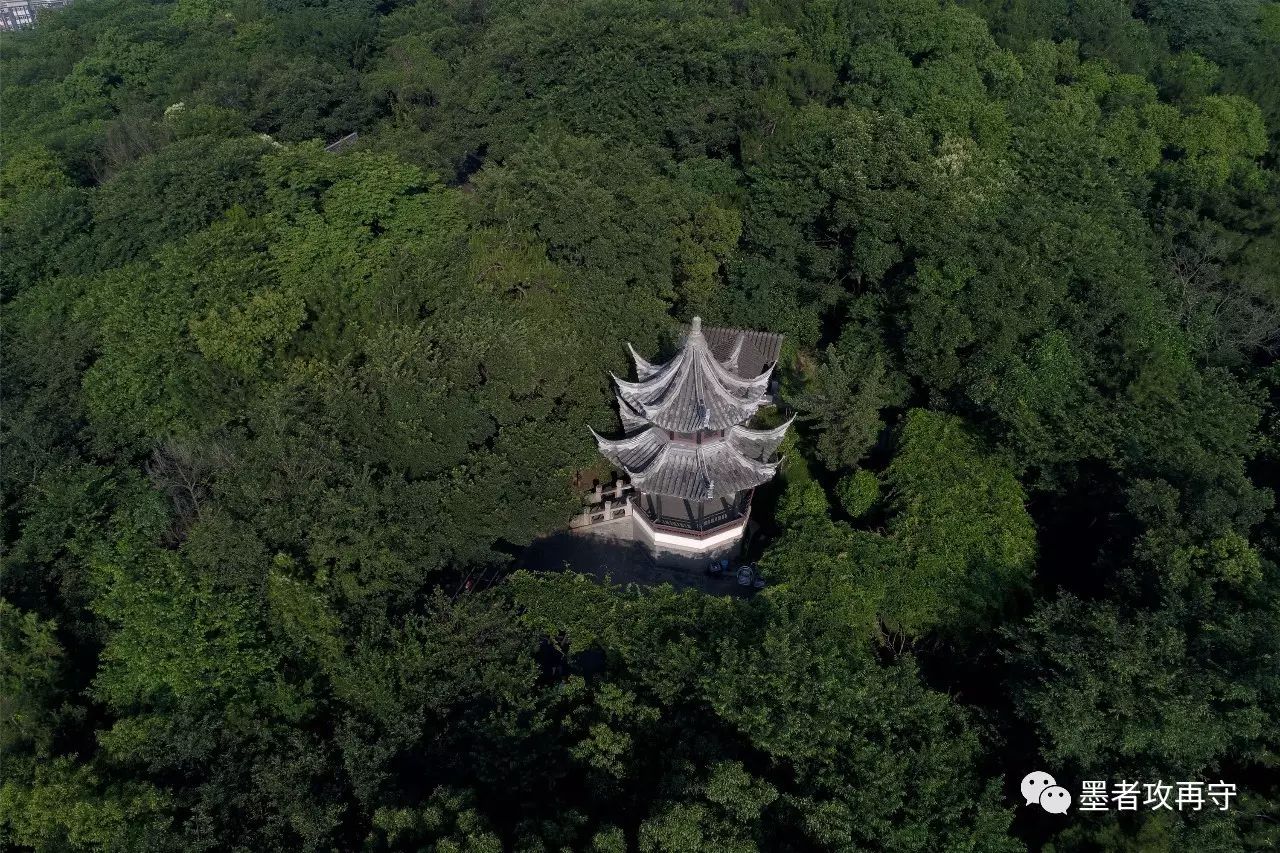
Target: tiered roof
column 683, row 420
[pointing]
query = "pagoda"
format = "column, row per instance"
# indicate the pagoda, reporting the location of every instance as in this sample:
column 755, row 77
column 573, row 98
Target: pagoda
column 692, row 462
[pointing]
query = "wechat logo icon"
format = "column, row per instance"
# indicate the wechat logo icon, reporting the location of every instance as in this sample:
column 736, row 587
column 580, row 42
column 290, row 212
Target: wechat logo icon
column 1040, row 788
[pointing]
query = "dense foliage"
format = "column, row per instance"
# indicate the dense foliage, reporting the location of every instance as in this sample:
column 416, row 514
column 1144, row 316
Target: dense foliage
column 266, row 404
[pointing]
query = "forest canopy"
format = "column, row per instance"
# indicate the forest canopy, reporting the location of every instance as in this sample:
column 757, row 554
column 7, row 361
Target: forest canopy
column 265, row 404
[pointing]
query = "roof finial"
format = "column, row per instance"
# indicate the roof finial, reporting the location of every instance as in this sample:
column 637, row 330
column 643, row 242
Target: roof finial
column 696, row 326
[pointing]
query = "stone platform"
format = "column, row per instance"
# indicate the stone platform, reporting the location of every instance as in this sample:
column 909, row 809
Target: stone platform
column 613, row 551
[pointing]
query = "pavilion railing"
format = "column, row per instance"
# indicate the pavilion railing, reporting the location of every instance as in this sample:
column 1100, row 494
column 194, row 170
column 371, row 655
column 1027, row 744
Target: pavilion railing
column 708, row 522
column 604, row 503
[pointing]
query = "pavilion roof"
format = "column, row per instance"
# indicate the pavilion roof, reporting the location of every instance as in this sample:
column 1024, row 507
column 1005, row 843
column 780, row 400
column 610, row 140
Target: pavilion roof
column 719, row 465
column 696, row 390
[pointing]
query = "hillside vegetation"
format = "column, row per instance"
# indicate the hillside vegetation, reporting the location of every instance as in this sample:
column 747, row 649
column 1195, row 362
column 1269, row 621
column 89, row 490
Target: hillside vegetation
column 264, row 405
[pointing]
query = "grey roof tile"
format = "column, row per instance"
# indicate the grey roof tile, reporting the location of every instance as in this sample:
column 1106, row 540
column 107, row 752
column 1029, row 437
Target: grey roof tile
column 694, row 390
column 684, row 419
column 719, row 466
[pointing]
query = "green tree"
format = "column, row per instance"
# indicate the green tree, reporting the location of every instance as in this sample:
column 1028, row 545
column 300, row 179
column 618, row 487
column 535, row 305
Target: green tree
column 960, row 521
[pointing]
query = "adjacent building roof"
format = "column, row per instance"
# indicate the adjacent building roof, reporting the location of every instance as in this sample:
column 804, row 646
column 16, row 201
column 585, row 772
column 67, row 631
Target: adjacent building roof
column 684, row 419
column 756, row 351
